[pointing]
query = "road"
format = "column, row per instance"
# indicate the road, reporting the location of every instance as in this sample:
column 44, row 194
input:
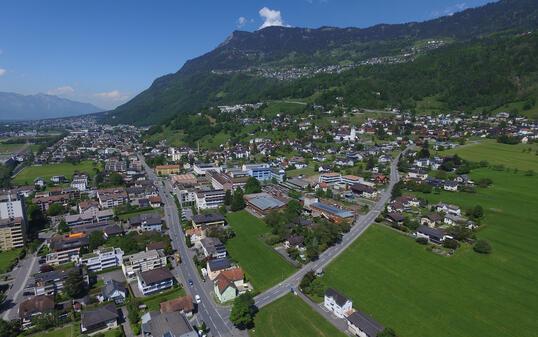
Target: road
column 331, row 253
column 215, row 317
column 14, row 296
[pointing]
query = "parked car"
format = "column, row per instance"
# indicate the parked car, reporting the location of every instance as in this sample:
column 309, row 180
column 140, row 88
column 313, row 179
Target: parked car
column 198, row 299
column 190, row 283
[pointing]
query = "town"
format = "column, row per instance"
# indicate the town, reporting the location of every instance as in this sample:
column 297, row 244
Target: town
column 103, row 231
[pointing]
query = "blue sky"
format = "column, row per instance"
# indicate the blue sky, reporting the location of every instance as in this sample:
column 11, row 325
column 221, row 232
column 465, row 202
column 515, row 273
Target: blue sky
column 105, row 52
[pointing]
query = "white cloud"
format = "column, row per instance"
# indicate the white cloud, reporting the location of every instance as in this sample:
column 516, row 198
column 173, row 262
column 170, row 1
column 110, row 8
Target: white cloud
column 241, row 22
column 113, row 95
column 450, row 10
column 271, row 17
column 2, row 72
column 66, row 90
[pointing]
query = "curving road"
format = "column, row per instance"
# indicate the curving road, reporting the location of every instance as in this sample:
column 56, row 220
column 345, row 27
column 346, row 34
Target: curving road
column 360, row 226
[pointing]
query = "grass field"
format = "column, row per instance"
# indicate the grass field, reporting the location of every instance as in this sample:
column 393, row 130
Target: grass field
column 28, row 175
column 153, row 302
column 7, row 257
column 9, row 148
column 419, row 293
column 63, row 332
column 262, row 266
column 290, row 316
column 499, row 154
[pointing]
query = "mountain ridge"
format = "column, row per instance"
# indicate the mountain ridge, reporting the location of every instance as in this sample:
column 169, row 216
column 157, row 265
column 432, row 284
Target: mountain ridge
column 41, row 106
column 286, row 46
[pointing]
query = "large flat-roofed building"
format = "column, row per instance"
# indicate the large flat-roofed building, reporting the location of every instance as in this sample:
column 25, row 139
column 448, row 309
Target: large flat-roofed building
column 166, row 169
column 263, row 203
column 12, row 233
column 332, row 213
column 201, row 169
column 166, row 324
column 261, row 173
column 143, row 261
column 330, row 178
column 221, row 181
column 187, row 179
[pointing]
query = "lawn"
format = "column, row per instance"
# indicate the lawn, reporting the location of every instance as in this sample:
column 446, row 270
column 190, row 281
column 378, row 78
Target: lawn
column 9, row 148
column 307, row 171
column 63, row 332
column 262, row 266
column 153, row 302
column 27, row 176
column 7, row 258
column 290, row 316
column 499, row 154
column 419, row 293
column 126, row 216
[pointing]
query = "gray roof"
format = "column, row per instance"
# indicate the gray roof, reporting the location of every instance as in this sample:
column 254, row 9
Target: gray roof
column 111, row 286
column 99, row 315
column 172, row 323
column 145, row 218
column 156, row 275
column 266, row 202
column 207, row 218
column 333, row 210
column 338, row 297
column 219, row 264
column 365, row 323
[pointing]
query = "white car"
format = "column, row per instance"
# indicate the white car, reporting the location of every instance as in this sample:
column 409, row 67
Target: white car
column 198, row 299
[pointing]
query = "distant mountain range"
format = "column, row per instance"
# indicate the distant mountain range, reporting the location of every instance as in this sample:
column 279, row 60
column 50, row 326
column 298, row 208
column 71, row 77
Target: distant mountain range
column 230, row 73
column 41, row 106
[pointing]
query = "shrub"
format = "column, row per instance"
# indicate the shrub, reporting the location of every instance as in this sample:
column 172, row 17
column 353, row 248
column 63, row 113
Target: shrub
column 422, row 241
column 450, row 243
column 482, row 246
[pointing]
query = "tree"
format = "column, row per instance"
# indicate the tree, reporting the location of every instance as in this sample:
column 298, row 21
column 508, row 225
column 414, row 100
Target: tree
column 243, row 311
column 228, row 198
column 74, row 284
column 293, row 209
column 63, row 227
column 10, row 329
column 478, row 212
column 252, row 186
column 238, row 203
column 116, row 179
column 482, row 246
column 55, row 209
column 95, row 240
column 450, row 243
column 273, row 218
column 312, row 252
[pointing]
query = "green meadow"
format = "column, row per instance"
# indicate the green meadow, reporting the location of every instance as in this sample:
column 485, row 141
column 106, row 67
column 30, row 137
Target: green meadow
column 419, row 293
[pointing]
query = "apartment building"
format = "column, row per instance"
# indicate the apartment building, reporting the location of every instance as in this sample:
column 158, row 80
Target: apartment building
column 166, row 169
column 143, row 261
column 154, row 281
column 112, row 197
column 210, row 199
column 13, row 223
column 102, row 258
column 330, row 178
column 65, row 248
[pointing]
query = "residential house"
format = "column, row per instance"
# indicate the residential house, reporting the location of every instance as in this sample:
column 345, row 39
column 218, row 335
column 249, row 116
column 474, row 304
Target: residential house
column 154, row 281
column 166, row 324
column 214, row 267
column 448, row 209
column 229, row 283
column 395, row 218
column 433, row 235
column 418, row 174
column 147, row 222
column 213, row 248
column 65, row 248
column 296, row 241
column 183, row 305
column 35, row 306
column 337, row 303
column 112, row 197
column 364, row 191
column 450, row 186
column 114, row 291
column 99, row 319
column 362, row 325
column 431, row 220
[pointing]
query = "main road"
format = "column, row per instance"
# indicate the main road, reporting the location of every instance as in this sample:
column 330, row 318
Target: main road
column 217, row 318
